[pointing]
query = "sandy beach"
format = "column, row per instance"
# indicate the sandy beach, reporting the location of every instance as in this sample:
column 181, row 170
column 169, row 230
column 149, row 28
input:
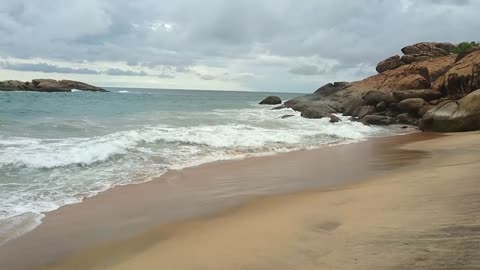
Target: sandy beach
column 416, row 208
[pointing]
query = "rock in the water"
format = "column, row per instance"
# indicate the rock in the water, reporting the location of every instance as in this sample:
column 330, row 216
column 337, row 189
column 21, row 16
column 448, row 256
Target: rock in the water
column 378, row 120
column 48, row 85
column 426, row 94
column 334, row 119
column 454, row 116
column 353, row 105
column 287, row 116
column 279, row 107
column 389, row 64
column 411, row 105
column 271, row 100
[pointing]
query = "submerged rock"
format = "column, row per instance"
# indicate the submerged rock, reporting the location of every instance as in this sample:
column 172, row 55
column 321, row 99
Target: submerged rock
column 271, row 100
column 378, row 120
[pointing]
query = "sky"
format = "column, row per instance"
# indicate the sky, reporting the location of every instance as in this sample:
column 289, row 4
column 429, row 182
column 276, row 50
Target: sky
column 253, row 45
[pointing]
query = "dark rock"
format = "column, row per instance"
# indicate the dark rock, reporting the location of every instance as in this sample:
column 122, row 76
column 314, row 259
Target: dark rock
column 381, row 106
column 279, row 107
column 391, row 113
column 433, row 49
column 454, row 116
column 364, row 111
column 334, row 119
column 352, row 105
column 404, row 127
column 411, row 105
column 422, row 111
column 389, row 64
column 48, row 85
column 426, row 94
column 406, row 118
column 374, row 97
column 378, row 120
column 318, row 111
column 408, row 59
column 435, row 102
column 287, row 116
column 271, row 100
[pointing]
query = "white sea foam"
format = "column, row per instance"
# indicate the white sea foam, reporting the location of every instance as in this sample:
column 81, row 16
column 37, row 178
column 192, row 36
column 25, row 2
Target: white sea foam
column 76, row 90
column 65, row 171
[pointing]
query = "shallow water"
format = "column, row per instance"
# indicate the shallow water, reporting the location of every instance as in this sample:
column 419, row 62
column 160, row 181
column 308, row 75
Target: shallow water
column 59, row 148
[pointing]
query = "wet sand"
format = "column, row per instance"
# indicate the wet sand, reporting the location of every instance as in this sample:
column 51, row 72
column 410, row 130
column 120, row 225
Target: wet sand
column 104, row 230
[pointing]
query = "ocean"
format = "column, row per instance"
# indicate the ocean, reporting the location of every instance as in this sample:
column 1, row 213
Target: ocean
column 60, row 148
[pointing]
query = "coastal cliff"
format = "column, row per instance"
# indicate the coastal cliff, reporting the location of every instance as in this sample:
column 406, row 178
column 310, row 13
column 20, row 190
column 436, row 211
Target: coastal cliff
column 433, row 86
column 48, row 85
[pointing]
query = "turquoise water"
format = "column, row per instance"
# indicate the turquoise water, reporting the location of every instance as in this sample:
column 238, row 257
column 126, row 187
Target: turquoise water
column 59, row 148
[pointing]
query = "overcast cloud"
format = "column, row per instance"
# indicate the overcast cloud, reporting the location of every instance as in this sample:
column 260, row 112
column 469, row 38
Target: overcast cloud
column 262, row 45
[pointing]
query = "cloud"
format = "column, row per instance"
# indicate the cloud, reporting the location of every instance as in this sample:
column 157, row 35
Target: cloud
column 307, row 70
column 46, row 68
column 121, row 72
column 232, row 35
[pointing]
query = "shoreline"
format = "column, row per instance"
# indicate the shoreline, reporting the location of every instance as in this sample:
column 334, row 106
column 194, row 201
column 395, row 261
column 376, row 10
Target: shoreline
column 426, row 216
column 69, row 221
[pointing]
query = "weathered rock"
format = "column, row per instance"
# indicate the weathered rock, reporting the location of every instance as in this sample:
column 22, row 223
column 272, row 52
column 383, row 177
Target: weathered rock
column 363, row 111
column 330, row 88
column 411, row 105
column 407, row 59
column 287, row 116
column 426, row 94
column 48, row 85
column 454, row 116
column 352, row 105
column 408, row 119
column 463, row 77
column 381, row 106
column 375, row 97
column 271, row 100
column 392, row 113
column 378, row 120
column 389, row 64
column 429, row 48
column 422, row 111
column 318, row 111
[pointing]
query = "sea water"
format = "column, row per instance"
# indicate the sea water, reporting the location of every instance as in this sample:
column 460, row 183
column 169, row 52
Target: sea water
column 59, row 148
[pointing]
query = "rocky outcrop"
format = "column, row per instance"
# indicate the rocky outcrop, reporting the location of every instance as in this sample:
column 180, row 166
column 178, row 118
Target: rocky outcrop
column 454, row 116
column 463, row 77
column 389, row 64
column 411, row 105
column 432, row 49
column 48, row 85
column 271, row 100
column 426, row 94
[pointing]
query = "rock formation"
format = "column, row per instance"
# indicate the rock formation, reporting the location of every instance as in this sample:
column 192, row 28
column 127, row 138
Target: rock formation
column 48, row 85
column 428, row 86
column 271, row 100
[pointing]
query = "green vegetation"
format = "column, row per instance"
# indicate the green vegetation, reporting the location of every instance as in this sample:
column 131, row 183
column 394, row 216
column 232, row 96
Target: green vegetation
column 465, row 46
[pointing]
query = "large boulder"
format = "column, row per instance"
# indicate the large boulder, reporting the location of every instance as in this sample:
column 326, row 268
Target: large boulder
column 331, row 88
column 271, row 100
column 363, row 111
column 429, row 49
column 314, row 111
column 389, row 64
column 375, row 97
column 411, row 105
column 463, row 77
column 454, row 116
column 378, row 120
column 426, row 94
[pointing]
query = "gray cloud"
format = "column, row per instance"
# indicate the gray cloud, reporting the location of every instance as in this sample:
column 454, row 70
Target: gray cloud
column 121, row 72
column 216, row 33
column 46, row 68
column 307, row 70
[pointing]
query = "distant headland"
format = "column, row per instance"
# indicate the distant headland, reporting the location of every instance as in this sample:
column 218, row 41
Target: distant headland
column 48, row 85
